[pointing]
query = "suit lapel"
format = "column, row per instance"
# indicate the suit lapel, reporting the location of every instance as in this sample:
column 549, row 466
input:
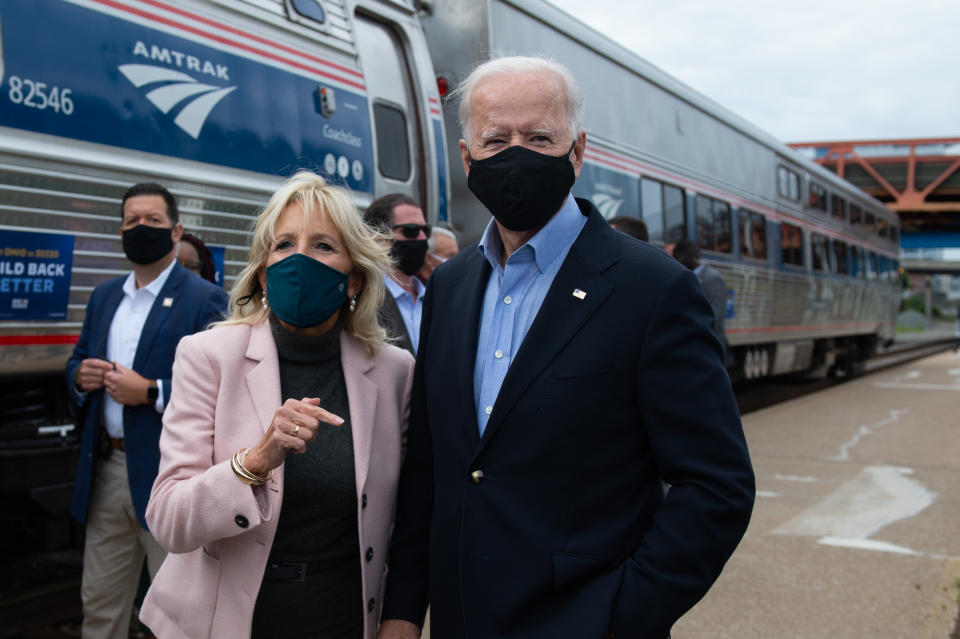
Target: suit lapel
column 111, row 303
column 362, row 402
column 263, row 380
column 166, row 300
column 467, row 295
column 578, row 290
column 392, row 320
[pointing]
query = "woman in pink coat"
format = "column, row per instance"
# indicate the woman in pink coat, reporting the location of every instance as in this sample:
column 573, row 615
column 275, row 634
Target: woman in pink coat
column 282, row 442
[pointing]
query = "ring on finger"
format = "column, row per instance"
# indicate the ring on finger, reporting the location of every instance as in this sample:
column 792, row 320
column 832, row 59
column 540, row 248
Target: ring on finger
column 296, row 431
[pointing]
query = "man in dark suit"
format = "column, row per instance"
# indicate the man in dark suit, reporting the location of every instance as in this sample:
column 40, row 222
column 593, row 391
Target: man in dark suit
column 565, row 370
column 688, row 253
column 119, row 375
column 402, row 218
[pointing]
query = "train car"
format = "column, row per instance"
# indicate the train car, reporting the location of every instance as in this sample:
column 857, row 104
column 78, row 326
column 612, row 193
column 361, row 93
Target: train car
column 219, row 100
column 809, row 260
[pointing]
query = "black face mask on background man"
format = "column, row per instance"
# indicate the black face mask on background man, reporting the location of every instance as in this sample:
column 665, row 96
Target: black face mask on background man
column 409, row 255
column 520, row 187
column 147, row 244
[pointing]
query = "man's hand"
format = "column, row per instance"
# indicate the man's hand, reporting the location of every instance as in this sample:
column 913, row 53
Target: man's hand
column 126, row 386
column 398, row 629
column 89, row 375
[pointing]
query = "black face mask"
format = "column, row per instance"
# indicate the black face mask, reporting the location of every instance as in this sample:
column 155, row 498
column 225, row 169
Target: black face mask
column 409, row 255
column 147, row 244
column 523, row 189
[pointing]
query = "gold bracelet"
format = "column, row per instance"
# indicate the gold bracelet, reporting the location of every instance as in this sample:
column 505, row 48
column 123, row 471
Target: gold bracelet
column 242, row 457
column 236, row 464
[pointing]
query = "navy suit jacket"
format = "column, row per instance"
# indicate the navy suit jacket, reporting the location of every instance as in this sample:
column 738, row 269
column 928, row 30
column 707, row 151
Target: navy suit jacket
column 196, row 303
column 554, row 523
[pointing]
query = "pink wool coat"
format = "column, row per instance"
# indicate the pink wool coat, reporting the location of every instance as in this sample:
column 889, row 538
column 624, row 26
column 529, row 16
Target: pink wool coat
column 226, row 388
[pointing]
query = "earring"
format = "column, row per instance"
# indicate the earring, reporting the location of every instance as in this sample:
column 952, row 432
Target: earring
column 353, row 304
column 263, row 299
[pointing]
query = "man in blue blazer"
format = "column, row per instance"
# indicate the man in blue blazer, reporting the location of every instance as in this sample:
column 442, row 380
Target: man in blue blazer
column 566, row 372
column 119, row 375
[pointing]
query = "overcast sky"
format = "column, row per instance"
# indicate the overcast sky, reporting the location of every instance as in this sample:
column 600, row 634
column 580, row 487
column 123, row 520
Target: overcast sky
column 803, row 71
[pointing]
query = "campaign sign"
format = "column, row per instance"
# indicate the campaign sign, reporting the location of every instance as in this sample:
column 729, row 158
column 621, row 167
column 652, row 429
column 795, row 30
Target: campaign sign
column 217, row 252
column 34, row 275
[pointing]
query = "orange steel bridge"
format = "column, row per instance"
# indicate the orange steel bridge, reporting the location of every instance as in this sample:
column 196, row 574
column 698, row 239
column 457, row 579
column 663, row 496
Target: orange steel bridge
column 919, row 178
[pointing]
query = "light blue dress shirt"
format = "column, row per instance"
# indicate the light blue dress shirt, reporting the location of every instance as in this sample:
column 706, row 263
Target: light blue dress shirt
column 513, row 298
column 411, row 311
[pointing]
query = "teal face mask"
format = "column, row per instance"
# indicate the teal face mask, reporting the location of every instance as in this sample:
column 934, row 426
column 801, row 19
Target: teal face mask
column 303, row 291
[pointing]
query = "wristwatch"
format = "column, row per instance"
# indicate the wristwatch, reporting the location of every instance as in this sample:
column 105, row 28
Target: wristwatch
column 152, row 392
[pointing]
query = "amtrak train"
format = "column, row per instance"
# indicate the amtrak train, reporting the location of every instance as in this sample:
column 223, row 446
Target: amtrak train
column 220, row 100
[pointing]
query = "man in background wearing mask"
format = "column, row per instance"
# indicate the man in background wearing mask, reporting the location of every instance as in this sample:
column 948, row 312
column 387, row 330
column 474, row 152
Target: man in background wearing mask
column 564, row 371
column 401, row 216
column 119, row 376
column 441, row 246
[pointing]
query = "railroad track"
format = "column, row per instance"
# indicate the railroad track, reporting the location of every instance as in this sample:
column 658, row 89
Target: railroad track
column 752, row 396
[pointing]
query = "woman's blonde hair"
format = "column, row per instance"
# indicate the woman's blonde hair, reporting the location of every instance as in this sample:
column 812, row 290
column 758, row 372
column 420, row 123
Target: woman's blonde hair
column 368, row 250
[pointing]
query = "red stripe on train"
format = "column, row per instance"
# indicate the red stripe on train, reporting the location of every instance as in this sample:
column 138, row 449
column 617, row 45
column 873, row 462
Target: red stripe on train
column 228, row 42
column 255, row 38
column 37, row 340
column 810, row 327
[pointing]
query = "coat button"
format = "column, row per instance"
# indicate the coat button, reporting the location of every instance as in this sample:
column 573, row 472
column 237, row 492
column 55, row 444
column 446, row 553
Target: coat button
column 477, row 476
column 369, row 554
column 371, row 604
column 241, row 521
column 363, row 501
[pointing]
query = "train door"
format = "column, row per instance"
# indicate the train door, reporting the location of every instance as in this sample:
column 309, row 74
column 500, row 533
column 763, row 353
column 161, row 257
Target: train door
column 398, row 147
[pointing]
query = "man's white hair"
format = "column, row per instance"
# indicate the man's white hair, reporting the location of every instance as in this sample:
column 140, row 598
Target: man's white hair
column 439, row 230
column 517, row 65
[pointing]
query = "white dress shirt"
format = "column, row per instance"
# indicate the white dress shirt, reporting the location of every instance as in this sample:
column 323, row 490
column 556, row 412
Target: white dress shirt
column 124, row 338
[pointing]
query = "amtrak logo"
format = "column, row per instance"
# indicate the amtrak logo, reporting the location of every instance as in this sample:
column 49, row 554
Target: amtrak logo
column 177, row 88
column 608, row 205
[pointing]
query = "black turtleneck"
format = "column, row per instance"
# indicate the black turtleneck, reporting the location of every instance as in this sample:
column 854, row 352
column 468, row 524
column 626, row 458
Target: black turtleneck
column 318, row 517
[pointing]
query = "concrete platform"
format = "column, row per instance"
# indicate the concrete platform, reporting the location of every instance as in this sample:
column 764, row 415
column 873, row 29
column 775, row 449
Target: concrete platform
column 856, row 529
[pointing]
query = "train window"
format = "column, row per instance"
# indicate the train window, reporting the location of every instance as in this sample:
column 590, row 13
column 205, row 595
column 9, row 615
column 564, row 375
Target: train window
column 871, row 266
column 791, row 244
column 705, row 229
column 818, row 197
column 713, row 225
column 674, row 214
column 881, row 227
column 838, row 206
column 857, row 266
column 894, row 233
column 821, row 259
column 651, row 203
column 745, row 232
column 309, row 9
column 722, row 227
column 894, row 270
column 753, row 234
column 856, row 214
column 869, row 222
column 788, row 183
column 841, row 257
column 882, row 268
column 394, row 149
column 759, row 225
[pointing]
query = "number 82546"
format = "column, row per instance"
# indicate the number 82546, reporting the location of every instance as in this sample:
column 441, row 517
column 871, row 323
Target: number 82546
column 37, row 95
